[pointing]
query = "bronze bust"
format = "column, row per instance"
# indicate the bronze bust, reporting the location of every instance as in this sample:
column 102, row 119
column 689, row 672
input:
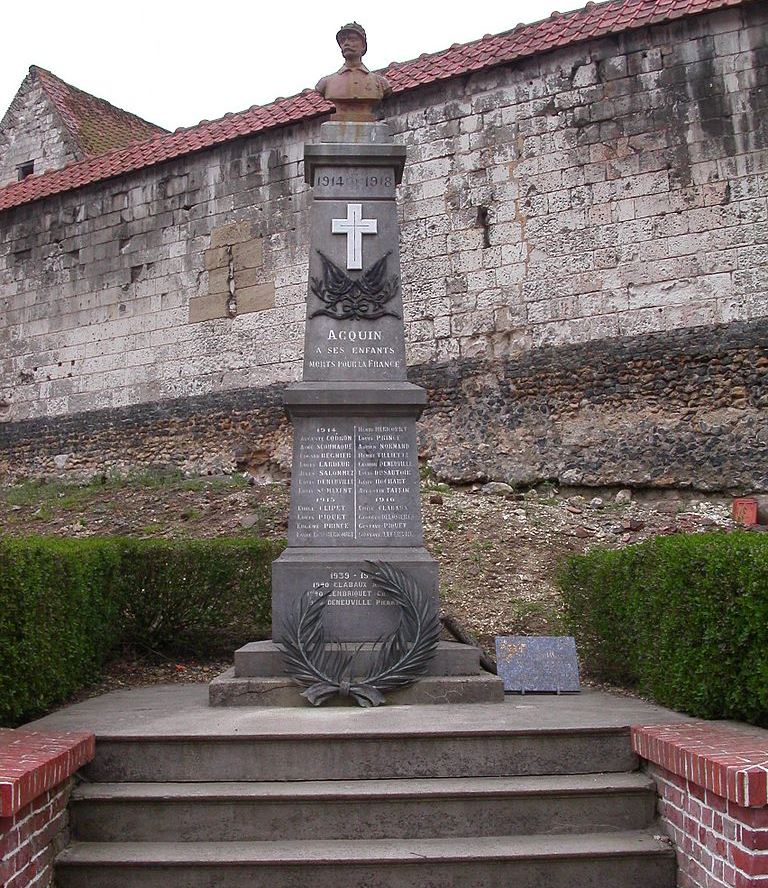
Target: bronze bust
column 353, row 89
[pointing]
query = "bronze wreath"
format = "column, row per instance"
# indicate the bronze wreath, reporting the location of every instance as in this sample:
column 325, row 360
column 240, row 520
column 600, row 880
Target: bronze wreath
column 325, row 669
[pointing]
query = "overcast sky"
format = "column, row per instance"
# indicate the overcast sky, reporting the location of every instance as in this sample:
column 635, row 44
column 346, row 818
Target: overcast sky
column 176, row 63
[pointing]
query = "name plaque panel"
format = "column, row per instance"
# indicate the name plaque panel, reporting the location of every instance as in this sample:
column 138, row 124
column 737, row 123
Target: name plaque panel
column 355, row 482
column 350, row 587
column 356, row 610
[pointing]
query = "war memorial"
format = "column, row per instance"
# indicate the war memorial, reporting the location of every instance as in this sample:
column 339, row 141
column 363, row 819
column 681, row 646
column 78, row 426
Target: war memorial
column 357, row 747
column 355, row 498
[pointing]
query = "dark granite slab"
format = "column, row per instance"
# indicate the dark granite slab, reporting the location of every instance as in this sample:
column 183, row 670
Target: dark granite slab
column 356, row 611
column 538, row 664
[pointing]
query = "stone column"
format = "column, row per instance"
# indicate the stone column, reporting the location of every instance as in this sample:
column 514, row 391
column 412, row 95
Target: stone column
column 355, row 480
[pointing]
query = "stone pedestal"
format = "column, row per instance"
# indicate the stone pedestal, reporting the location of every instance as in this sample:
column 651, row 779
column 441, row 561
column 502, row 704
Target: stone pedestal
column 355, row 479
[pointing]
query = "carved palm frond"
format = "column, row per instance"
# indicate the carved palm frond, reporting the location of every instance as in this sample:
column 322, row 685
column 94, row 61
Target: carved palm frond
column 335, row 280
column 372, row 281
column 358, row 299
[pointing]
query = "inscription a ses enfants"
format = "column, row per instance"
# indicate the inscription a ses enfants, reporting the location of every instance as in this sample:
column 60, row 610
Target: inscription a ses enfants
column 363, row 349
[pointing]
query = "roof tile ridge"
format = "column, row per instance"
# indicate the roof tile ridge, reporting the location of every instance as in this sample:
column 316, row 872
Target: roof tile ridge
column 517, row 30
column 229, row 116
column 110, row 159
column 105, row 102
column 544, row 41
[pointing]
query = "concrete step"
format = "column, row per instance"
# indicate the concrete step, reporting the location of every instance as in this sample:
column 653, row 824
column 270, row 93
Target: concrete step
column 358, row 756
column 616, row 860
column 417, row 808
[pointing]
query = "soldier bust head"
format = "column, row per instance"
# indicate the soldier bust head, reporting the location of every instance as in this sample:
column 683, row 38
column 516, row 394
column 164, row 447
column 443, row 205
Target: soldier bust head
column 353, row 89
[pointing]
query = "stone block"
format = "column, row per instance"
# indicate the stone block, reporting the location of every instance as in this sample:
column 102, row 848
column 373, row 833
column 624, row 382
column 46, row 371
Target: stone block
column 228, row 690
column 249, row 254
column 256, row 298
column 265, row 659
column 216, row 257
column 205, row 308
column 248, row 277
column 232, row 233
column 218, row 280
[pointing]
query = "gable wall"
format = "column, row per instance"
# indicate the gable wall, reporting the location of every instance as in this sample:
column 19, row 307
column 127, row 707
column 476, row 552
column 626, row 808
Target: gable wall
column 626, row 194
column 32, row 131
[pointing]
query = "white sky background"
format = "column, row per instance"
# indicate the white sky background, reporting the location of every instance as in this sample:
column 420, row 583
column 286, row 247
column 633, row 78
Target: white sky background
column 176, row 63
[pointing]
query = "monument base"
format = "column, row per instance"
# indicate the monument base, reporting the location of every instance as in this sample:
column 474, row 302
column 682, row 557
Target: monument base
column 257, row 679
column 227, row 690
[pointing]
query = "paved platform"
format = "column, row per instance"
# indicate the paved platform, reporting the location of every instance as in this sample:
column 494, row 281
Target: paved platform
column 183, row 711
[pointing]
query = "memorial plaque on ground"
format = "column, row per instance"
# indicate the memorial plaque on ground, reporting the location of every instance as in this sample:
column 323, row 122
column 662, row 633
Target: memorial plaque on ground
column 543, row 664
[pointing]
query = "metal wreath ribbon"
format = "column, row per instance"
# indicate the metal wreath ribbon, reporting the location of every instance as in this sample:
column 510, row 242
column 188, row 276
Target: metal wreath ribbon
column 326, row 671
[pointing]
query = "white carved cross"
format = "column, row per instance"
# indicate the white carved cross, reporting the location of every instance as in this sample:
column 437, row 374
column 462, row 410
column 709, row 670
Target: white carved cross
column 354, row 226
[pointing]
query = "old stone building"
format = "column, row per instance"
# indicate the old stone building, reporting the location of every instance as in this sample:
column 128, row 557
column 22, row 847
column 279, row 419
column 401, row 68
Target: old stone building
column 585, row 262
column 51, row 124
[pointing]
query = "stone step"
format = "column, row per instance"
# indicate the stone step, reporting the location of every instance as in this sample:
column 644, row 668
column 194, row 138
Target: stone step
column 358, row 756
column 607, row 860
column 419, row 808
column 264, row 659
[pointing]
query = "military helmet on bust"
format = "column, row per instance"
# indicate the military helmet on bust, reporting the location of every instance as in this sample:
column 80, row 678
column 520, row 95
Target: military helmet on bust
column 358, row 29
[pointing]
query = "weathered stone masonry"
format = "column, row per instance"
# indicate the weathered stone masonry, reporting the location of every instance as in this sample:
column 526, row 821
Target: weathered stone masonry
column 37, row 136
column 669, row 409
column 585, row 269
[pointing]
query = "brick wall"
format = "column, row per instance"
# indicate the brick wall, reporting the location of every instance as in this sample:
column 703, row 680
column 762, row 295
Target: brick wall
column 33, row 132
column 713, row 800
column 35, row 782
column 596, row 194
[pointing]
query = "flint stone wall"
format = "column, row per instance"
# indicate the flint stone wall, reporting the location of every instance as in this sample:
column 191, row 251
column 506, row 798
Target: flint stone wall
column 591, row 201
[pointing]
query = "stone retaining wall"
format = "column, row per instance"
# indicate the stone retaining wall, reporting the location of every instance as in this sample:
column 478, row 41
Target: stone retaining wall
column 35, row 783
column 713, row 800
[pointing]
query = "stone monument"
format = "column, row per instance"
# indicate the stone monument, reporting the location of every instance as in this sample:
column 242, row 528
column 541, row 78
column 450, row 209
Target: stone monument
column 355, row 478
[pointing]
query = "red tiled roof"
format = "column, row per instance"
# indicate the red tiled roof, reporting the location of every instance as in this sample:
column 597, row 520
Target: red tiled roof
column 594, row 20
column 95, row 124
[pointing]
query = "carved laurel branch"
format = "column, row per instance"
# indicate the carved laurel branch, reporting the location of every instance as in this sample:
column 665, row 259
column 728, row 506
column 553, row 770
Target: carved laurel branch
column 324, row 668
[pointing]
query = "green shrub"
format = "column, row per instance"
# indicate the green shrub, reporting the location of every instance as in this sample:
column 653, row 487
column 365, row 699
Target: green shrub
column 66, row 604
column 198, row 596
column 684, row 619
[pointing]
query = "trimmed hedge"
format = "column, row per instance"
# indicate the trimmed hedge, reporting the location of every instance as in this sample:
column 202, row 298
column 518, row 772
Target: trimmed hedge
column 684, row 619
column 65, row 604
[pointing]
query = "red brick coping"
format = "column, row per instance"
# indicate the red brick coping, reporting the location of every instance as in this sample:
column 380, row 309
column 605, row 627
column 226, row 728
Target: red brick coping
column 732, row 763
column 32, row 763
column 713, row 799
column 35, row 782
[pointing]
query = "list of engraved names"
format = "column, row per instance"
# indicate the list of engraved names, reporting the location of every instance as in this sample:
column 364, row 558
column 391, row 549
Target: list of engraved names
column 356, row 481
